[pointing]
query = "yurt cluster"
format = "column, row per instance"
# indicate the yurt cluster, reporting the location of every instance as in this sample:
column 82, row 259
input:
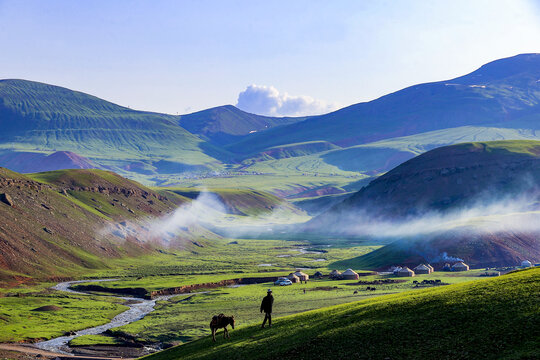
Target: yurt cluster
column 348, row 274
column 298, row 277
column 404, row 271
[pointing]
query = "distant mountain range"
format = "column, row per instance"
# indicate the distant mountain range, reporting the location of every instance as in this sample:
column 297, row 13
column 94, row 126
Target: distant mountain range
column 496, row 102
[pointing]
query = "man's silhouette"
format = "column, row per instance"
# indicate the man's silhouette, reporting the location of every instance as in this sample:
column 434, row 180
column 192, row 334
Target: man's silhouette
column 266, row 306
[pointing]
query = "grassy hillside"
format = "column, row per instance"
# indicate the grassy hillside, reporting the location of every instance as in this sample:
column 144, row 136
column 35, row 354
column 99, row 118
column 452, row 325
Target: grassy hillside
column 242, row 201
column 471, row 200
column 489, row 319
column 375, row 157
column 37, row 117
column 452, row 176
column 64, row 222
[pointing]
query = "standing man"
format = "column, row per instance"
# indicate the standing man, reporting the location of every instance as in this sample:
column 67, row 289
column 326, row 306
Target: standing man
column 266, row 306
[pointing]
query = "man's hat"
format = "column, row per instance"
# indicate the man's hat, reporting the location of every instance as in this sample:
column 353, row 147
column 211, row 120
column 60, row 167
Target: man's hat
column 269, row 290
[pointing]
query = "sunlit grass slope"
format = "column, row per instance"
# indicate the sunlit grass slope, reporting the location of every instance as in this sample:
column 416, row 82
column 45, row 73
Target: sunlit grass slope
column 489, row 319
column 44, row 118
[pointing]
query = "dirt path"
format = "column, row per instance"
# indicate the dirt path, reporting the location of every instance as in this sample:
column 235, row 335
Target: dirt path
column 28, row 349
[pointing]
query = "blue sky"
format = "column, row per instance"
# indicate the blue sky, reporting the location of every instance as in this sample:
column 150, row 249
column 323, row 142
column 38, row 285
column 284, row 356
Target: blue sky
column 284, row 57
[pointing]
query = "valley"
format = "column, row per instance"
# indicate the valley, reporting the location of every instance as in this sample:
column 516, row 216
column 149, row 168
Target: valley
column 123, row 232
column 183, row 317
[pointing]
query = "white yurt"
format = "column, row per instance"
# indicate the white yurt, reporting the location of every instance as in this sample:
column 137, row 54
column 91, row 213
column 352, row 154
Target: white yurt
column 405, row 272
column 350, row 274
column 460, row 266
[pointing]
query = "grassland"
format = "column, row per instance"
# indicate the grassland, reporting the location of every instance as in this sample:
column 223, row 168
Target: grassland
column 185, row 318
column 490, row 319
column 87, row 340
column 214, row 262
column 43, row 118
column 221, row 260
column 20, row 322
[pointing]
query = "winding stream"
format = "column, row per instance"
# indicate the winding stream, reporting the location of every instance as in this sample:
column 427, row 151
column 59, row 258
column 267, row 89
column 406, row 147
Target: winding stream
column 137, row 310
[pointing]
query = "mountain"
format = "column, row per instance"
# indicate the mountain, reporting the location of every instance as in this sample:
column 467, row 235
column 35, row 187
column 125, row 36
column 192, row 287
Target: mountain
column 36, row 117
column 225, row 124
column 486, row 319
column 64, row 222
column 499, row 101
column 475, row 201
column 503, row 93
column 27, row 162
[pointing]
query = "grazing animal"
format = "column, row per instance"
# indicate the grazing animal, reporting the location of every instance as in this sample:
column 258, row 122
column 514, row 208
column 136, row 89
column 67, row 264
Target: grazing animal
column 221, row 321
column 355, row 292
column 368, row 288
column 373, row 289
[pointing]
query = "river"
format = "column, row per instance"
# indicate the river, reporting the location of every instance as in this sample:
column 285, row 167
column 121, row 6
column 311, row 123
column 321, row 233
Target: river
column 137, row 310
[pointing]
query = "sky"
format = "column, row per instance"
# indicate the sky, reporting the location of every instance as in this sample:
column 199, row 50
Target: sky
column 268, row 57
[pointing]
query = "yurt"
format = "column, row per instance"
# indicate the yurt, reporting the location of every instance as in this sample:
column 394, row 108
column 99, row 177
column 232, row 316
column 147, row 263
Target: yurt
column 302, row 276
column 526, row 264
column 318, row 275
column 397, row 270
column 350, row 274
column 447, row 267
column 422, row 269
column 460, row 266
column 335, row 274
column 431, row 269
column 405, row 272
column 293, row 278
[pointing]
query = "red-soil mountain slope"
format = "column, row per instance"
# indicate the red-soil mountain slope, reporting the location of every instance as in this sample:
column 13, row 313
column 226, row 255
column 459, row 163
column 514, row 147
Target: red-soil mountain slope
column 28, row 162
column 60, row 223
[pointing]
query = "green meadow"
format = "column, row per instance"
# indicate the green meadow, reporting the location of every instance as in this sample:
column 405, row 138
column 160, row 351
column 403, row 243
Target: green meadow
column 20, row 321
column 494, row 318
column 185, row 317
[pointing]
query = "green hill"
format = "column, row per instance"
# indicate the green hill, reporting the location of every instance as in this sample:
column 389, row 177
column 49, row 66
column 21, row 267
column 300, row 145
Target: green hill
column 470, row 200
column 242, row 201
column 36, row 117
column 452, row 176
column 489, row 319
column 64, row 222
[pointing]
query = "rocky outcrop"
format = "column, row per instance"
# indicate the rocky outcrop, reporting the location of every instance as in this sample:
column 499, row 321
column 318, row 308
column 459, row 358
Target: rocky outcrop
column 127, row 192
column 6, row 199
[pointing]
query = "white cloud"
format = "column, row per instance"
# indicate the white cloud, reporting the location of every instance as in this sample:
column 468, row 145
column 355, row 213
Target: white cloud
column 267, row 100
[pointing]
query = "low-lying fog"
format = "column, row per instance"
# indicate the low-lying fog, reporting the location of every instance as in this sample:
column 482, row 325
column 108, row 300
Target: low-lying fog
column 510, row 214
